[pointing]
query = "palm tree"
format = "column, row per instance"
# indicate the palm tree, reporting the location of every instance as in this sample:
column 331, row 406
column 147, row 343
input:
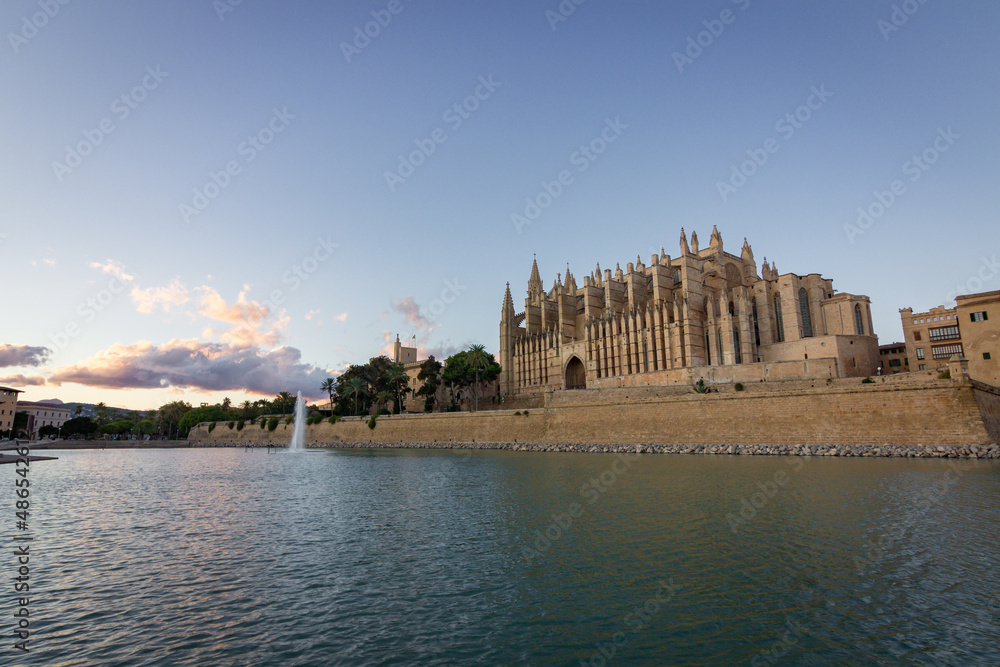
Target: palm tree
column 478, row 359
column 355, row 387
column 101, row 413
column 226, row 404
column 284, row 398
column 329, row 385
column 383, row 397
column 247, row 408
column 396, row 376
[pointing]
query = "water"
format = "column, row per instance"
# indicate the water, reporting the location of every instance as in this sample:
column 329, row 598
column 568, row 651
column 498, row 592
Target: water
column 298, row 442
column 382, row 557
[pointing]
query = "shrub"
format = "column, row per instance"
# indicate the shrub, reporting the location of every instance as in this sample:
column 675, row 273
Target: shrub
column 239, row 425
column 211, row 427
column 371, row 423
column 518, row 413
column 701, row 388
column 272, row 423
column 231, row 425
column 868, row 381
column 263, row 423
column 738, row 386
column 945, row 374
column 333, row 419
column 289, row 420
column 525, row 413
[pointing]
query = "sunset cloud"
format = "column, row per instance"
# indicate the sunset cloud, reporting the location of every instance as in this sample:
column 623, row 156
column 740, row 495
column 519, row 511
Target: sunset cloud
column 341, row 318
column 168, row 298
column 192, row 364
column 114, row 268
column 23, row 355
column 244, row 311
column 409, row 309
column 22, row 381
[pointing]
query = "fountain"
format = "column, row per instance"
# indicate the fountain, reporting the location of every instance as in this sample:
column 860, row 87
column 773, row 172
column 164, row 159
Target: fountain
column 298, row 443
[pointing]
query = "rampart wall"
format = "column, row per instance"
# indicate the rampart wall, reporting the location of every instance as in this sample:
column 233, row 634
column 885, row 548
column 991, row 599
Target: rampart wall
column 919, row 411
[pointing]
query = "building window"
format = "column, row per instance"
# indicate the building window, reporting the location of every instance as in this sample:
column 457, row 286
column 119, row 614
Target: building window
column 920, row 353
column 946, row 351
column 756, row 327
column 979, row 317
column 916, row 335
column 945, row 333
column 807, row 327
column 922, row 367
column 736, row 345
column 986, row 355
column 894, row 363
column 859, row 323
column 778, row 322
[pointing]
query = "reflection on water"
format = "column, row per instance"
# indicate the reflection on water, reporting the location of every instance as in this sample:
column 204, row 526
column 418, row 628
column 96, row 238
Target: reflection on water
column 200, row 557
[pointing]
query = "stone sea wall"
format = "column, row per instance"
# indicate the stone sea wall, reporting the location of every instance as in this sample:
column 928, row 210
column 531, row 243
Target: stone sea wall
column 928, row 412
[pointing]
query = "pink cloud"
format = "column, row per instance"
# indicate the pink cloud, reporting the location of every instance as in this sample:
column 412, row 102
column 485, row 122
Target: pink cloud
column 192, row 364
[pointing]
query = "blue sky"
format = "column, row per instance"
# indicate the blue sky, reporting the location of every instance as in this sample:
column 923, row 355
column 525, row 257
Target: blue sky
column 197, row 201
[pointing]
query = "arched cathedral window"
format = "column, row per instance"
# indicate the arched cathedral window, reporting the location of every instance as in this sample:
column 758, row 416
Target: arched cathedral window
column 807, row 327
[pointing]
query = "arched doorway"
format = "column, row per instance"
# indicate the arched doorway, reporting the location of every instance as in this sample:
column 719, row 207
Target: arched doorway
column 576, row 374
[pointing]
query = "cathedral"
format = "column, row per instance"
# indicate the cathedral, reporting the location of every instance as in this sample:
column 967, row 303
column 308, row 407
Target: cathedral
column 706, row 314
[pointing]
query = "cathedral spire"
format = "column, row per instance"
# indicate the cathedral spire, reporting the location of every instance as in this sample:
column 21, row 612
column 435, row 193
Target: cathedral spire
column 694, row 242
column 715, row 242
column 535, row 282
column 685, row 250
column 507, row 312
column 747, row 252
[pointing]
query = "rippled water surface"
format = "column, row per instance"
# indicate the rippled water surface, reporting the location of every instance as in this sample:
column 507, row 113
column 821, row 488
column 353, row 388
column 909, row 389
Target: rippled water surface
column 383, row 557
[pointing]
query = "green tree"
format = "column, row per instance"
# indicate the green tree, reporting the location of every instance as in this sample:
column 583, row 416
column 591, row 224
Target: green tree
column 79, row 426
column 357, row 388
column 396, row 376
column 329, row 386
column 169, row 416
column 430, row 376
column 461, row 374
column 284, row 402
column 102, row 414
column 479, row 360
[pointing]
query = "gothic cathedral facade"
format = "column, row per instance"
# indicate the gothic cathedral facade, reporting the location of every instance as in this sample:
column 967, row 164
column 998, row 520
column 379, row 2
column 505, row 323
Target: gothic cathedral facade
column 705, row 314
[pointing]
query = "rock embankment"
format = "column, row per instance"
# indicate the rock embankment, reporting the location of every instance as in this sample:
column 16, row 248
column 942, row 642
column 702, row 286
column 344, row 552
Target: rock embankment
column 871, row 451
